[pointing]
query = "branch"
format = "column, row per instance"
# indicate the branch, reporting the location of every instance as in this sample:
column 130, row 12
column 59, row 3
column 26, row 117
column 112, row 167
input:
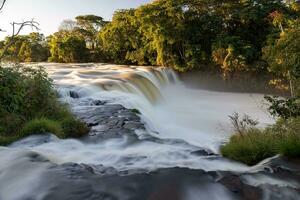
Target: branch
column 2, row 4
column 17, row 28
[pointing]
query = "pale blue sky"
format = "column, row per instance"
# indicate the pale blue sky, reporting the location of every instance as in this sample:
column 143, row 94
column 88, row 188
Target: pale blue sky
column 50, row 13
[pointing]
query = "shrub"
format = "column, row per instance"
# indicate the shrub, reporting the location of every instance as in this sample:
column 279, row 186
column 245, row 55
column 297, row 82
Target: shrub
column 25, row 90
column 41, row 126
column 240, row 125
column 28, row 100
column 284, row 108
column 250, row 147
column 255, row 145
column 74, row 128
column 289, row 130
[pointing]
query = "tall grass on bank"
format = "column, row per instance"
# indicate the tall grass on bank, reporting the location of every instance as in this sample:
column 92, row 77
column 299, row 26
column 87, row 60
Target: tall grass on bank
column 254, row 145
column 29, row 105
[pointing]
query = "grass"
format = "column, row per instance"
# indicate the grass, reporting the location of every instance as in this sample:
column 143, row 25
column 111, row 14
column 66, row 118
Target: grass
column 6, row 140
column 136, row 111
column 74, row 128
column 70, row 127
column 42, row 126
column 255, row 145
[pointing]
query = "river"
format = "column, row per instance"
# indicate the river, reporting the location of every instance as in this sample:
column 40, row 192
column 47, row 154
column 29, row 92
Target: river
column 170, row 150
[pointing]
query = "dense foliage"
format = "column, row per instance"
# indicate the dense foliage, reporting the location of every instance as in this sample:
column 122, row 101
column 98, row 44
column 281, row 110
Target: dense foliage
column 26, row 48
column 28, row 102
column 232, row 37
column 284, row 108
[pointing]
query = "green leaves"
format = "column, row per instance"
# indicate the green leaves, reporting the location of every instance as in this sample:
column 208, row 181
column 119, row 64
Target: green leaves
column 67, row 47
column 27, row 95
column 284, row 108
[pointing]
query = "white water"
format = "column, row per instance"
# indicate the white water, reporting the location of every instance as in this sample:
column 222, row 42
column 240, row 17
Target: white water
column 184, row 119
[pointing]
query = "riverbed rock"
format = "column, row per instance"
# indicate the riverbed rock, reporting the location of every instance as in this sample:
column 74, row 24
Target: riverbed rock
column 109, row 120
column 244, row 191
column 74, row 94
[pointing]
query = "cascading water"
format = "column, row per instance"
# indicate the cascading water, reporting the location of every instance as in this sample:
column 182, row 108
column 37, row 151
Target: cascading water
column 184, row 128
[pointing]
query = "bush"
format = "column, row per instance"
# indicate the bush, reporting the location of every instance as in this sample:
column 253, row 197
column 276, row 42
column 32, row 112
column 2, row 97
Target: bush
column 26, row 91
column 255, row 145
column 289, row 131
column 284, row 108
column 29, row 102
column 74, row 128
column 251, row 147
column 41, row 126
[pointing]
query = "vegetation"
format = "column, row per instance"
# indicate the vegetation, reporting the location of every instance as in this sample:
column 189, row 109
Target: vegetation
column 136, row 111
column 251, row 145
column 29, row 105
column 284, row 108
column 230, row 37
column 255, row 145
column 41, row 126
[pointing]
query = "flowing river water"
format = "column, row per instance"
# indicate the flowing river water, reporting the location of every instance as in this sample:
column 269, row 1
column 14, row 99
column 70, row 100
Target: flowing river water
column 168, row 151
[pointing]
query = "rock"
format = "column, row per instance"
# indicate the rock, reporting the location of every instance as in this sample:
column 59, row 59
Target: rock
column 246, row 192
column 74, row 94
column 133, row 125
column 98, row 103
column 202, row 152
column 109, row 120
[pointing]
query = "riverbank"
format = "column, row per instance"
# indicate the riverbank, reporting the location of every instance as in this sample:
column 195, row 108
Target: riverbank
column 29, row 105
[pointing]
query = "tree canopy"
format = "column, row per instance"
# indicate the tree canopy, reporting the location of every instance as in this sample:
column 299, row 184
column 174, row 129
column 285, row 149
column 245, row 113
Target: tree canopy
column 225, row 35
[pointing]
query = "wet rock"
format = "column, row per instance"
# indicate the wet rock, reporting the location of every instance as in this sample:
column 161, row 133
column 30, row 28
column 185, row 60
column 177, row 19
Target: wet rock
column 133, row 125
column 92, row 124
column 110, row 120
column 244, row 191
column 98, row 103
column 34, row 140
column 74, row 94
column 202, row 152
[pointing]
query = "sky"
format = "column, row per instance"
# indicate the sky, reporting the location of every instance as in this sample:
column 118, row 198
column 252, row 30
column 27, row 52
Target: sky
column 50, row 13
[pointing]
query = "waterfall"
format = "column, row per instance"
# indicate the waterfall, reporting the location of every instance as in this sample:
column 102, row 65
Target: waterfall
column 184, row 128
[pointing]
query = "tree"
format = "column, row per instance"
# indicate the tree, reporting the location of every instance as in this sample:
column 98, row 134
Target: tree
column 67, row 25
column 89, row 26
column 67, row 47
column 122, row 41
column 283, row 57
column 34, row 48
column 16, row 29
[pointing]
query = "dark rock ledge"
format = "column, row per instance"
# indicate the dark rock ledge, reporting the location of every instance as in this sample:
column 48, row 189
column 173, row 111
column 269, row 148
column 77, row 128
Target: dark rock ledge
column 109, row 120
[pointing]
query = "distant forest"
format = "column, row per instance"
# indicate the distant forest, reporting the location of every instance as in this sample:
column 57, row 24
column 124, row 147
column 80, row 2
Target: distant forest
column 226, row 35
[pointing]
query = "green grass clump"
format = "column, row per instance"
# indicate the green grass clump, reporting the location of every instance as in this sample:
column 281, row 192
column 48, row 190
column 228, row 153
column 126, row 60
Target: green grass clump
column 136, row 111
column 254, row 145
column 42, row 126
column 251, row 147
column 74, row 128
column 6, row 140
column 289, row 132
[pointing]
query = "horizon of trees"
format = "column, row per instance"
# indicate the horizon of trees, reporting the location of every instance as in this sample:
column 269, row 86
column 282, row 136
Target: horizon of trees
column 226, row 35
